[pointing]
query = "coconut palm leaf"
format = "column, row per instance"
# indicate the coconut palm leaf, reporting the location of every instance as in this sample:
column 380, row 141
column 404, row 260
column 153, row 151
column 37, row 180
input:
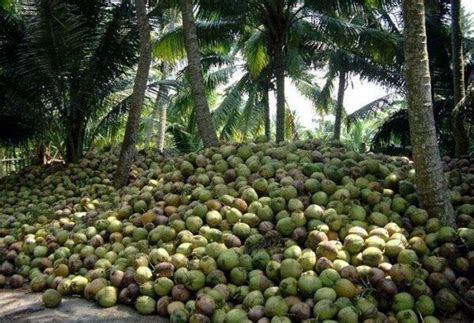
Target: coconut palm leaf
column 371, row 109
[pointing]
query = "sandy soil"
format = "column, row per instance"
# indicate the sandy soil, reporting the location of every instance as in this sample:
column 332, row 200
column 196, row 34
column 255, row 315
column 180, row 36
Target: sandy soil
column 23, row 306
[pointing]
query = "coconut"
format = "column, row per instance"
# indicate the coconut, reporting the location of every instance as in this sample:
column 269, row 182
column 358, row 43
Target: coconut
column 425, row 305
column 403, row 301
column 145, row 305
column 205, row 304
column 107, row 296
column 407, row 316
column 78, row 284
column 256, row 313
column 51, row 298
column 366, row 307
column 92, row 288
column 228, row 260
column 372, row 256
column 16, row 281
column 446, row 301
column 325, row 293
column 348, row 314
column 325, row 309
column 174, row 306
column 275, row 306
column 180, row 293
column 345, row 288
column 289, row 286
column 179, row 315
column 386, row 288
column 162, row 305
column 309, row 284
column 143, row 274
column 329, row 277
column 402, row 273
column 290, row 268
column 38, row 283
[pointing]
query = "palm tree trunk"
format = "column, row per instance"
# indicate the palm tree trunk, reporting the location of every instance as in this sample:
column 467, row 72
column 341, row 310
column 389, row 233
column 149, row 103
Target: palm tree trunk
column 339, row 104
column 128, row 151
column 279, row 61
column 74, row 139
column 461, row 133
column 163, row 98
column 430, row 181
column 159, row 110
column 201, row 106
column 2, row 155
column 266, row 111
column 39, row 156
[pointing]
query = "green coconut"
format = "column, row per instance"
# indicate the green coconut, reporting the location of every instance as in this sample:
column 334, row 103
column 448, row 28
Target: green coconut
column 107, row 296
column 290, row 268
column 276, row 306
column 145, row 305
column 51, row 298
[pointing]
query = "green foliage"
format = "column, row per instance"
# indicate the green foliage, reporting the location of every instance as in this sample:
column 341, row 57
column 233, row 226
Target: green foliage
column 67, row 67
column 70, row 57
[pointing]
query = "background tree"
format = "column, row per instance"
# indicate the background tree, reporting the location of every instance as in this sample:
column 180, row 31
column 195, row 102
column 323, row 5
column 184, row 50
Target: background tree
column 203, row 115
column 128, row 150
column 430, row 182
column 389, row 112
column 162, row 105
column 461, row 133
column 65, row 61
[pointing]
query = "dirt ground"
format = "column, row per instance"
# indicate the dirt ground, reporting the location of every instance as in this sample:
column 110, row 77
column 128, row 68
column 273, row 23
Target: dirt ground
column 23, row 306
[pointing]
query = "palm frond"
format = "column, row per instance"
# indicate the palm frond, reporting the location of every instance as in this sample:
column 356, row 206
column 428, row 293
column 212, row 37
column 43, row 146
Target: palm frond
column 255, row 54
column 233, row 99
column 383, row 103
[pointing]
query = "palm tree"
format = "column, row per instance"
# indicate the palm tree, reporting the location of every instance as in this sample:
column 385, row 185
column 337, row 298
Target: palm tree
column 69, row 58
column 391, row 136
column 261, row 28
column 161, row 103
column 182, row 125
column 297, row 31
column 461, row 135
column 203, row 115
column 340, row 103
column 265, row 86
column 342, row 64
column 276, row 18
column 430, row 182
column 128, row 150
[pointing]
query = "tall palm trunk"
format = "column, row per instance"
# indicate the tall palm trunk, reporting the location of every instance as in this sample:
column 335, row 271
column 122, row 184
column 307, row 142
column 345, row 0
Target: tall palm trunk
column 2, row 172
column 461, row 133
column 163, row 98
column 40, row 155
column 430, row 181
column 201, row 106
column 74, row 140
column 279, row 61
column 339, row 104
column 266, row 110
column 159, row 110
column 321, row 124
column 128, row 150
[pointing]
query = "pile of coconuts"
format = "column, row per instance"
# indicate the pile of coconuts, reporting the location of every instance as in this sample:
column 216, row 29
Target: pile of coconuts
column 257, row 232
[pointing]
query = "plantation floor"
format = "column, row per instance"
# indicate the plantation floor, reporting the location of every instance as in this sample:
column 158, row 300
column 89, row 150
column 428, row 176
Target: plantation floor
column 23, row 306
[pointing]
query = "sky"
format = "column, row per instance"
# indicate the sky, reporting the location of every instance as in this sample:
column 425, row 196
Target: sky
column 358, row 93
